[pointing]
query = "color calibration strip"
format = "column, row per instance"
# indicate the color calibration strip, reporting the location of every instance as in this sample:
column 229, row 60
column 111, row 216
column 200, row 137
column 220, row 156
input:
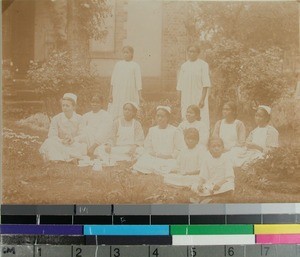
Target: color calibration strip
column 205, row 230
column 169, row 234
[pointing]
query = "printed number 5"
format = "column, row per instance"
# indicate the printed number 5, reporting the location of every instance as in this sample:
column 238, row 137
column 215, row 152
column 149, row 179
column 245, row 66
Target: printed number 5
column 116, row 252
column 193, row 252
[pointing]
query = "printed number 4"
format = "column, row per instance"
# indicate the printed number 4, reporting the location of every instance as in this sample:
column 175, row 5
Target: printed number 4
column 155, row 252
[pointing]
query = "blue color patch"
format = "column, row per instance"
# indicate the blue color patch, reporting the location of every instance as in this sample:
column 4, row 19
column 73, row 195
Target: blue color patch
column 126, row 230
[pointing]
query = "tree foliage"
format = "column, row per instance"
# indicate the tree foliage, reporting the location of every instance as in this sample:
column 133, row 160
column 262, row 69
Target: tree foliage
column 244, row 44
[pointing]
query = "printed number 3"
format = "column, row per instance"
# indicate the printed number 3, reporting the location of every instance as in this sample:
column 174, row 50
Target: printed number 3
column 116, row 252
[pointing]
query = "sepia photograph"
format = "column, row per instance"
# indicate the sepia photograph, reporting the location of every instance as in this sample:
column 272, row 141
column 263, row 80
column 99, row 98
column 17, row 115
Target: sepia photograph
column 150, row 102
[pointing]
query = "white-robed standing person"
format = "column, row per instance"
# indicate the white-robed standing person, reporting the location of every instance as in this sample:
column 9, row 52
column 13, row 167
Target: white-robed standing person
column 96, row 126
column 126, row 83
column 161, row 145
column 64, row 127
column 193, row 84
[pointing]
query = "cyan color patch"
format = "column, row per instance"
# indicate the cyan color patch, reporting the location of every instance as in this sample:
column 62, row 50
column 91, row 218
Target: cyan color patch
column 129, row 230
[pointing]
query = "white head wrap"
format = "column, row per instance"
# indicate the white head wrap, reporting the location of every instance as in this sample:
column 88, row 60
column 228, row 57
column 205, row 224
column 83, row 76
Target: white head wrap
column 132, row 103
column 266, row 108
column 70, row 96
column 167, row 108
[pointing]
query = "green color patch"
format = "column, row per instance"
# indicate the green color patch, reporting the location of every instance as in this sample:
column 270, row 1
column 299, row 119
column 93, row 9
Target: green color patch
column 211, row 229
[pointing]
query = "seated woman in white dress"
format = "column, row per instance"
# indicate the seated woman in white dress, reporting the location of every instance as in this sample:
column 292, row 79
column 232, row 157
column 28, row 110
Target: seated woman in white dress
column 96, row 126
column 260, row 140
column 193, row 120
column 160, row 145
column 231, row 130
column 189, row 161
column 216, row 171
column 127, row 136
column 64, row 127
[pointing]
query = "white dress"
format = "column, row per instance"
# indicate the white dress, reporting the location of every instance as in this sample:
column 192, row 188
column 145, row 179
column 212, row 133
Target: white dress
column 265, row 137
column 126, row 81
column 61, row 127
column 187, row 167
column 125, row 139
column 193, row 77
column 217, row 170
column 200, row 126
column 95, row 128
column 158, row 141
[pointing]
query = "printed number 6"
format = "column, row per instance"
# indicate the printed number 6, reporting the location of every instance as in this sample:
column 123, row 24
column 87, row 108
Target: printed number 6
column 230, row 251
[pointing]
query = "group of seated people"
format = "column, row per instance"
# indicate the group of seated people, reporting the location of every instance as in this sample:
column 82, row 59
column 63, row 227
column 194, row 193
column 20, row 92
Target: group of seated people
column 186, row 155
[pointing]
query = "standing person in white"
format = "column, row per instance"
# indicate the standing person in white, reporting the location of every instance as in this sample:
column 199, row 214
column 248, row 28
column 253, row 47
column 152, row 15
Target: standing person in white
column 126, row 83
column 193, row 83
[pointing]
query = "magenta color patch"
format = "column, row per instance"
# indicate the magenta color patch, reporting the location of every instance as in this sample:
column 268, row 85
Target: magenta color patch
column 278, row 239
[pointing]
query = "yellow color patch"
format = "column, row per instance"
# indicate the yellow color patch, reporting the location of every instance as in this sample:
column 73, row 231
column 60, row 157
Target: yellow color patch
column 277, row 229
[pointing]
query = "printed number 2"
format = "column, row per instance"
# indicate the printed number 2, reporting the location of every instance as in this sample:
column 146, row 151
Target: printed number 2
column 264, row 250
column 155, row 252
column 229, row 251
column 78, row 252
column 116, row 252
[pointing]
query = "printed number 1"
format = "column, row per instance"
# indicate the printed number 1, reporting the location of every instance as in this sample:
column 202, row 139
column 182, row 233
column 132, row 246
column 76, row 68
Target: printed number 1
column 264, row 250
column 155, row 252
column 40, row 252
column 229, row 251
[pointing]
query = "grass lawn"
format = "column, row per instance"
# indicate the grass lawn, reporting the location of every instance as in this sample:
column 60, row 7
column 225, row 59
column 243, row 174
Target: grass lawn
column 28, row 180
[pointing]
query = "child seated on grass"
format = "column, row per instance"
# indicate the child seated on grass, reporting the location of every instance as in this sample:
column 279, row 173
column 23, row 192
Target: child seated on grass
column 216, row 171
column 260, row 140
column 188, row 161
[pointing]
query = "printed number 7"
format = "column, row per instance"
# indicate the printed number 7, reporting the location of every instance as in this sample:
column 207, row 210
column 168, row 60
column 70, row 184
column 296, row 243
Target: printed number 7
column 264, row 250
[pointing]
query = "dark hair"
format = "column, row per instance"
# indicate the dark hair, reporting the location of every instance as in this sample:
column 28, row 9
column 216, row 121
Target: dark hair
column 100, row 97
column 232, row 105
column 191, row 132
column 134, row 108
column 195, row 108
column 212, row 139
column 194, row 46
column 129, row 48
